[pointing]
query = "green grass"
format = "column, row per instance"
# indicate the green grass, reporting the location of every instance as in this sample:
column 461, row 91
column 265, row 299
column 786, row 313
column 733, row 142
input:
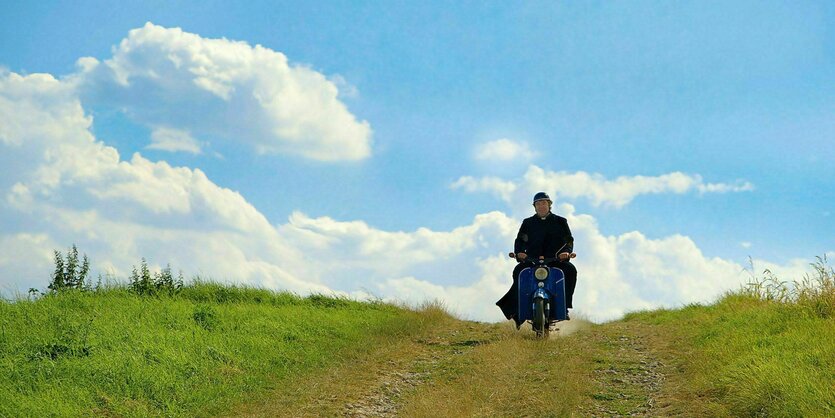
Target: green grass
column 212, row 349
column 768, row 350
column 111, row 352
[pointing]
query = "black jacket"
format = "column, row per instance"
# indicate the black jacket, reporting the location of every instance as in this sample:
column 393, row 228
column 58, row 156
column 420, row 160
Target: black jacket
column 543, row 237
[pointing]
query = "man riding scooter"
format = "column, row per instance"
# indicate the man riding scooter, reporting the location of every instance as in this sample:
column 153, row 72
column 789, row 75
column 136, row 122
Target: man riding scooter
column 542, row 235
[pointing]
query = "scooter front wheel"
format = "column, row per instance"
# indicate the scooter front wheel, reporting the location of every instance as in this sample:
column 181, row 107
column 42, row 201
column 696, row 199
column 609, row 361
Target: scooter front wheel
column 540, row 324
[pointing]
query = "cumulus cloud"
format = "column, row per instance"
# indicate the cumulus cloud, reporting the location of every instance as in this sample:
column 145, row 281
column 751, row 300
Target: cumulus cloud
column 595, row 188
column 467, row 268
column 503, row 150
column 226, row 89
column 360, row 253
column 71, row 188
column 22, row 257
column 173, row 140
column 502, row 189
column 68, row 187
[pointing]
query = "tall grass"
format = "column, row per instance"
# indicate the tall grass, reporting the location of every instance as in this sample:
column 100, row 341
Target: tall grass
column 813, row 293
column 113, row 352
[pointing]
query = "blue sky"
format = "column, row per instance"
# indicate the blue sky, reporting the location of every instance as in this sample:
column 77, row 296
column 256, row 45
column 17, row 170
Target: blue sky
column 738, row 99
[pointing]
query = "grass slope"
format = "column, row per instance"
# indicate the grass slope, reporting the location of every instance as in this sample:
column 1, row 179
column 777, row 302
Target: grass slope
column 745, row 356
column 111, row 352
column 214, row 350
column 768, row 350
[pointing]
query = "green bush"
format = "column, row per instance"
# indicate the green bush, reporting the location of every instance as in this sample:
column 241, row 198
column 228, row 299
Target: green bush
column 160, row 283
column 69, row 274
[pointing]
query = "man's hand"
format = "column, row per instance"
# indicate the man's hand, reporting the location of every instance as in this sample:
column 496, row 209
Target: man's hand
column 565, row 256
column 521, row 256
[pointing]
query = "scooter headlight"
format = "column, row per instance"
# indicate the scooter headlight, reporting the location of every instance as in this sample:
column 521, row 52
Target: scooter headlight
column 541, row 273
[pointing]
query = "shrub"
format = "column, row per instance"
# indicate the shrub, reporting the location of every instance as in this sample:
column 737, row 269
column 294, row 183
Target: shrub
column 161, row 282
column 69, row 274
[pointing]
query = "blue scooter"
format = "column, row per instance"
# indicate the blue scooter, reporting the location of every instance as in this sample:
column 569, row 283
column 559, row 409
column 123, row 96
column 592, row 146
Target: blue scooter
column 541, row 291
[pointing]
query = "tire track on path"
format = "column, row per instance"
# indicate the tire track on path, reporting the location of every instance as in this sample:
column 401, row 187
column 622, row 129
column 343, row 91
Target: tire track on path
column 384, row 395
column 628, row 374
column 460, row 368
column 373, row 384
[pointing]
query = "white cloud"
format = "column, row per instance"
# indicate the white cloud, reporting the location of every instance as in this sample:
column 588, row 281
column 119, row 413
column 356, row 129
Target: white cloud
column 167, row 77
column 467, row 270
column 622, row 190
column 745, row 244
column 359, row 253
column 346, row 89
column 503, row 150
column 75, row 189
column 738, row 186
column 490, row 279
column 502, row 189
column 22, row 256
column 69, row 187
column 173, row 140
column 593, row 187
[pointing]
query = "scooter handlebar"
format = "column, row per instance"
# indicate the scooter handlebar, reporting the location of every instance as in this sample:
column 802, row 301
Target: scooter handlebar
column 541, row 260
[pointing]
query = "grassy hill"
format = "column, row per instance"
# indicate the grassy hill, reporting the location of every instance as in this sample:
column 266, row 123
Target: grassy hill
column 115, row 353
column 225, row 350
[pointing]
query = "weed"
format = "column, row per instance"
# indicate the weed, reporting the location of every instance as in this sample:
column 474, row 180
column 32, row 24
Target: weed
column 161, row 283
column 69, row 274
column 815, row 293
column 327, row 302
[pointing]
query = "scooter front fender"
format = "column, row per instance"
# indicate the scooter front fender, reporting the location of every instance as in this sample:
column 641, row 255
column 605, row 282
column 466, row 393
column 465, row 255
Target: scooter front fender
column 552, row 291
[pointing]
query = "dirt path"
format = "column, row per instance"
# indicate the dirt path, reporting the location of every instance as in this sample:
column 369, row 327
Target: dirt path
column 470, row 369
column 374, row 384
column 628, row 373
column 430, row 358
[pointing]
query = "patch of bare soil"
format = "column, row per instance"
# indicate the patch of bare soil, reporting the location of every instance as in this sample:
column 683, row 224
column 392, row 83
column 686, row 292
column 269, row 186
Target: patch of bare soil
column 628, row 374
column 382, row 399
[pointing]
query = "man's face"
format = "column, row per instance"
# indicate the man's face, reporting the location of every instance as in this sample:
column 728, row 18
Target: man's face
column 542, row 207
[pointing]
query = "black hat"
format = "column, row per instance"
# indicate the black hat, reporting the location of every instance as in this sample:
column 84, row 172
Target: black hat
column 541, row 196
